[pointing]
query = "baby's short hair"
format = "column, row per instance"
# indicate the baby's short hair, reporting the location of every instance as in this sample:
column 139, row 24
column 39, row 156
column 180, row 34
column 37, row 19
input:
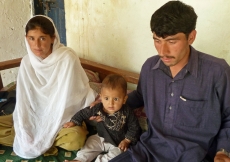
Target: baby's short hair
column 115, row 81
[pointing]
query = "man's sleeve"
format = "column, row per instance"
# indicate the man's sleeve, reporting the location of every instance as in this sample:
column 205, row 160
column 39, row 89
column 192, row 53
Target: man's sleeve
column 223, row 90
column 134, row 129
column 135, row 98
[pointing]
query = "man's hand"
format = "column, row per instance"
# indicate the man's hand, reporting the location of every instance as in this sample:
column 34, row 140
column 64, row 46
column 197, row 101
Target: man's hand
column 69, row 124
column 95, row 118
column 124, row 144
column 221, row 157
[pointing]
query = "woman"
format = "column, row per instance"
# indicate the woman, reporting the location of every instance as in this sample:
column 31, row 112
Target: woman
column 51, row 87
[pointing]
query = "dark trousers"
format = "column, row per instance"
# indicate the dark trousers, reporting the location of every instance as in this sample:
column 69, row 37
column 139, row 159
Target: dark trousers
column 124, row 157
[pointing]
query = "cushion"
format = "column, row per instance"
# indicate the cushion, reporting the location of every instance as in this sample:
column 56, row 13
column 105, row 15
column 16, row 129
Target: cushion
column 95, row 86
column 141, row 116
column 94, row 80
column 93, row 76
column 11, row 86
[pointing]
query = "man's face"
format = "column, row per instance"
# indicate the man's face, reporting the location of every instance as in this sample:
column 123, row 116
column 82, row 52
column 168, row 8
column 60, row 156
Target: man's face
column 174, row 50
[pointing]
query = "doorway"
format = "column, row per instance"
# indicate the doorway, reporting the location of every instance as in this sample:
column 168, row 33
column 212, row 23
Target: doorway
column 54, row 9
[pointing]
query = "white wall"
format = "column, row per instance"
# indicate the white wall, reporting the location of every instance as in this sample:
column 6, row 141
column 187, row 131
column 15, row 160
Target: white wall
column 117, row 32
column 114, row 32
column 14, row 15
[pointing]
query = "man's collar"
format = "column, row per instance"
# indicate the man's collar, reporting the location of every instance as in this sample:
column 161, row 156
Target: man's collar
column 192, row 65
column 157, row 65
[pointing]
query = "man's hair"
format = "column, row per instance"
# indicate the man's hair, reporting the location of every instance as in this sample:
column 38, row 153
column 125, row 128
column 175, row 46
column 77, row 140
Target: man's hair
column 172, row 18
column 114, row 81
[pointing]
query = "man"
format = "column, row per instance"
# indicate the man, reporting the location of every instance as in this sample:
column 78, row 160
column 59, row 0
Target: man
column 186, row 95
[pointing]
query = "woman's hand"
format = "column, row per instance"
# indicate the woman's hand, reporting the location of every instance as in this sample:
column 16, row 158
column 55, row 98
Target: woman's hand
column 124, row 144
column 69, row 124
column 97, row 100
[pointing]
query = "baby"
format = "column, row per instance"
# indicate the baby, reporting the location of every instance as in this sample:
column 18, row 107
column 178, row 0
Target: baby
column 119, row 126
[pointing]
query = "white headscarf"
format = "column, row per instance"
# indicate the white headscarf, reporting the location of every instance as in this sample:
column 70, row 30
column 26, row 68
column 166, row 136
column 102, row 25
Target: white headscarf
column 49, row 93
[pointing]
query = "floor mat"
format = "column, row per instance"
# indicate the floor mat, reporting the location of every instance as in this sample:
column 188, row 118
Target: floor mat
column 7, row 155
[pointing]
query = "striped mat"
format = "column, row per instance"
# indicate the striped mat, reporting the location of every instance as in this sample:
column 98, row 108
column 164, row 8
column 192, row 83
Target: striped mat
column 7, row 155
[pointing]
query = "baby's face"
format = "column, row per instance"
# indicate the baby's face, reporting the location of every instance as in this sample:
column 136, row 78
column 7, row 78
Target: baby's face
column 112, row 99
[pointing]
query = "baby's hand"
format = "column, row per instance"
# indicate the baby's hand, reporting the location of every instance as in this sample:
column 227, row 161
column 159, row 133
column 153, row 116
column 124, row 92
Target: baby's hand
column 68, row 125
column 124, row 144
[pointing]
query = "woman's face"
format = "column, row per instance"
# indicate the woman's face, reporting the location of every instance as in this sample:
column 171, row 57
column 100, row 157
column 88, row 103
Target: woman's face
column 40, row 43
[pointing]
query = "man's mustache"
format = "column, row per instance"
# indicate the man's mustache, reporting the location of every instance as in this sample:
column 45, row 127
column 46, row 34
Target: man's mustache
column 167, row 56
